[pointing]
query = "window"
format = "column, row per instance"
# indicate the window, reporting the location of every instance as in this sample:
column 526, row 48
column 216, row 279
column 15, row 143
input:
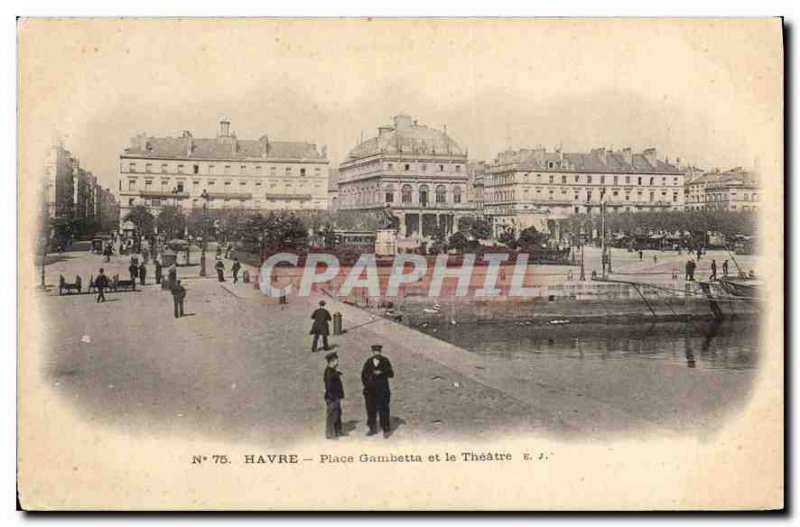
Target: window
column 148, row 183
column 616, row 180
column 651, row 181
column 288, row 171
column 389, row 197
column 602, row 180
column 131, row 184
column 423, row 194
column 163, row 168
column 227, row 169
column 390, row 166
column 148, row 167
column 674, row 197
column 424, row 167
column 663, row 181
column 406, row 194
column 180, row 169
column 640, row 180
column 407, row 167
column 180, row 187
column 132, row 167
column 563, row 180
column 577, row 179
column 652, row 195
column 302, row 172
column 550, row 179
column 441, row 168
column 196, row 169
column 130, row 202
column 195, row 186
column 258, row 183
column 458, row 168
column 589, row 180
column 210, row 169
column 441, row 194
column 456, row 194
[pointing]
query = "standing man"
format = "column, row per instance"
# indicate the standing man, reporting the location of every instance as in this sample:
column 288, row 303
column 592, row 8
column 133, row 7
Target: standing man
column 320, row 328
column 375, row 377
column 158, row 271
column 641, row 255
column 690, row 265
column 725, row 268
column 100, row 283
column 235, row 269
column 220, row 267
column 178, row 294
column 134, row 270
column 334, row 393
column 142, row 272
column 713, row 270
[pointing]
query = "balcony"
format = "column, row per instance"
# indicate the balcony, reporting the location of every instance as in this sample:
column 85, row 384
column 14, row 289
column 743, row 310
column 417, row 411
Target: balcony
column 163, row 194
column 293, row 197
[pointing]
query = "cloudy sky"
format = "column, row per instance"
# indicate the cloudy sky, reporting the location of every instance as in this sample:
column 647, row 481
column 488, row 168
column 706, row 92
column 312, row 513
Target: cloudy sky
column 707, row 91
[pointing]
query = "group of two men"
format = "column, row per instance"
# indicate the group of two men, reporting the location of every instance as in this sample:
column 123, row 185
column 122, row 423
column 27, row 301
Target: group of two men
column 375, row 375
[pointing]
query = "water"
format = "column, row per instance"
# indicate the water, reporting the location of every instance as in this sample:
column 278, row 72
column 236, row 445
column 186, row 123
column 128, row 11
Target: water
column 720, row 346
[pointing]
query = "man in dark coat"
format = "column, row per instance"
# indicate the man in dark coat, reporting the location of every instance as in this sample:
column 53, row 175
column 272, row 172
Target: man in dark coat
column 178, row 295
column 220, row 267
column 690, row 265
column 713, row 270
column 725, row 268
column 375, row 377
column 142, row 272
column 235, row 269
column 158, row 271
column 101, row 283
column 334, row 393
column 134, row 270
column 320, row 328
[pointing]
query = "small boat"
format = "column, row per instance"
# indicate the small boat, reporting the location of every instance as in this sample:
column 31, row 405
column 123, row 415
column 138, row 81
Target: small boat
column 747, row 287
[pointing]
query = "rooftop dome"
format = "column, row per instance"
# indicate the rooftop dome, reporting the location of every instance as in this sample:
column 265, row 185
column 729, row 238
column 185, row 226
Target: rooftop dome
column 407, row 137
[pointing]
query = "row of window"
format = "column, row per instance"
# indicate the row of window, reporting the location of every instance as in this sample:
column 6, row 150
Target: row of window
column 401, row 167
column 406, row 195
column 232, row 202
column 508, row 179
column 510, row 195
column 195, row 168
column 182, row 187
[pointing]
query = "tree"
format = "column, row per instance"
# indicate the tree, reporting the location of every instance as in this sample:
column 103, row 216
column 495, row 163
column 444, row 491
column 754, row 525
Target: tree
column 477, row 228
column 171, row 222
column 329, row 237
column 142, row 219
column 530, row 239
column 458, row 241
column 507, row 237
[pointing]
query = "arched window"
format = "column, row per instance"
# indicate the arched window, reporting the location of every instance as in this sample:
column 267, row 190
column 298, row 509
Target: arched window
column 388, row 192
column 456, row 194
column 406, row 191
column 441, row 194
column 423, row 194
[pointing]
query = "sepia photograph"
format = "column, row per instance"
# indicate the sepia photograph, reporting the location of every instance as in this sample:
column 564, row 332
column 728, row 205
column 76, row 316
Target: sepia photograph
column 478, row 263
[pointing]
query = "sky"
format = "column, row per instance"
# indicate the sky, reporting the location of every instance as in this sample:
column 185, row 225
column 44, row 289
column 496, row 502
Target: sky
column 705, row 91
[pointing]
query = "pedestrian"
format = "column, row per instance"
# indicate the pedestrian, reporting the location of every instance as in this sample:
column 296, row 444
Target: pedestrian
column 235, row 269
column 142, row 273
column 655, row 258
column 690, row 266
column 713, row 270
column 101, row 283
column 699, row 252
column 178, row 295
column 725, row 268
column 320, row 328
column 145, row 255
column 158, row 271
column 134, row 270
column 220, row 267
column 641, row 255
column 375, row 377
column 334, row 393
column 172, row 276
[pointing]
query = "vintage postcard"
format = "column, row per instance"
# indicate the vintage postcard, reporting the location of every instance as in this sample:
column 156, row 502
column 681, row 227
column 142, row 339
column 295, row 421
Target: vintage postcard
column 400, row 264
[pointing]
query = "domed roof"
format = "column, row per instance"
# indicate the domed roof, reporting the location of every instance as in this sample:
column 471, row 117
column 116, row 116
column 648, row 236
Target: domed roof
column 407, row 137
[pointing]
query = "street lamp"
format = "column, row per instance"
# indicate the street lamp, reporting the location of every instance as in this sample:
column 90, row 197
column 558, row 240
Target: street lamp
column 204, row 195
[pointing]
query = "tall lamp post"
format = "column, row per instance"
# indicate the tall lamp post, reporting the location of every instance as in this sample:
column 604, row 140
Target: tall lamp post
column 204, row 195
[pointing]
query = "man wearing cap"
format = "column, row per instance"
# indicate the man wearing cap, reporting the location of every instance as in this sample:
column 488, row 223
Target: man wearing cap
column 334, row 393
column 375, row 377
column 321, row 317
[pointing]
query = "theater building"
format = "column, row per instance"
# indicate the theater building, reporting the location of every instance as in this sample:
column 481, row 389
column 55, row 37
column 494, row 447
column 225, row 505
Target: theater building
column 418, row 172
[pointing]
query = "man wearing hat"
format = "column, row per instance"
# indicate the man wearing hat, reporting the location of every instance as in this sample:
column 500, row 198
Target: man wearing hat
column 334, row 393
column 375, row 377
column 321, row 317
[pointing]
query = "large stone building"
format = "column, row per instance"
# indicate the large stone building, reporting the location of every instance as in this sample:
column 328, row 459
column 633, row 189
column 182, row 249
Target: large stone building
column 256, row 174
column 735, row 189
column 59, row 183
column 530, row 187
column 417, row 171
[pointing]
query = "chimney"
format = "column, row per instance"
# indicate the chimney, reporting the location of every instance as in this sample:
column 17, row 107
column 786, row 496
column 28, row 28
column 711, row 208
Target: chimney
column 650, row 155
column 627, row 155
column 224, row 128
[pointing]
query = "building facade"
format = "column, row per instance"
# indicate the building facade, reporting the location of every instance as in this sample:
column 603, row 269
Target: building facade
column 531, row 187
column 734, row 190
column 259, row 174
column 418, row 172
column 59, row 183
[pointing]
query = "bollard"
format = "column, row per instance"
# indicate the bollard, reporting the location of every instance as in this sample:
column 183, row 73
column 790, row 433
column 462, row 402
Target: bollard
column 337, row 324
column 246, row 276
